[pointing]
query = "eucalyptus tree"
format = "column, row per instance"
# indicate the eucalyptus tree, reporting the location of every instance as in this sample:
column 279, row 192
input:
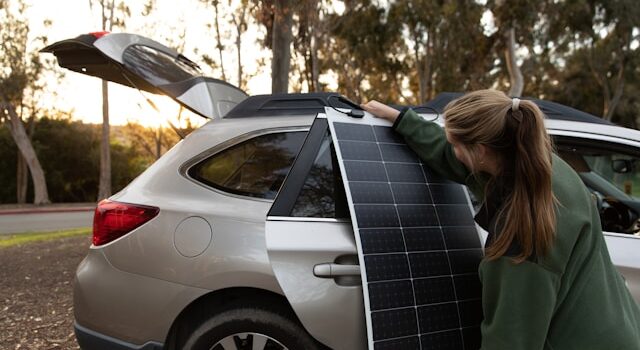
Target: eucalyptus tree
column 605, row 35
column 20, row 71
column 364, row 52
column 112, row 15
column 447, row 48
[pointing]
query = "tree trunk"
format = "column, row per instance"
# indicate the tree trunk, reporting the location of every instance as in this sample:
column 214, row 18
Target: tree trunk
column 315, row 64
column 19, row 135
column 104, row 189
column 281, row 46
column 22, row 180
column 432, row 42
column 422, row 79
column 515, row 74
column 104, row 186
column 611, row 103
column 218, row 36
column 239, row 20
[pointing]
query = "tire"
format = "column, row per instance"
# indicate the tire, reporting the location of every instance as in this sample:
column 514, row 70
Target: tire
column 239, row 327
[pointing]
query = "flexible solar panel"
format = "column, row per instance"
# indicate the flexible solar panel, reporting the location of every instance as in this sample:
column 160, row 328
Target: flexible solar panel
column 417, row 242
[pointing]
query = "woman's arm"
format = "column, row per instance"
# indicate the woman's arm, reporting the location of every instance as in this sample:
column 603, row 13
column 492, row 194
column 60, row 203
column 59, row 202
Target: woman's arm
column 427, row 139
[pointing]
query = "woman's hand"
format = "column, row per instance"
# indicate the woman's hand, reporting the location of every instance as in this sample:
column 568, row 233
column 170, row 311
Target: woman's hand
column 381, row 110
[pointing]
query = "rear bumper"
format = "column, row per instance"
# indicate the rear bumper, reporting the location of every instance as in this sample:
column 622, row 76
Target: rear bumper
column 115, row 307
column 91, row 340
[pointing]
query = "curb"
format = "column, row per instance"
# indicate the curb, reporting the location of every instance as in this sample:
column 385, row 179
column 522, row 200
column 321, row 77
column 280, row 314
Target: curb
column 44, row 210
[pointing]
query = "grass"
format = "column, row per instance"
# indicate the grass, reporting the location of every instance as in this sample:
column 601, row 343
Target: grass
column 14, row 239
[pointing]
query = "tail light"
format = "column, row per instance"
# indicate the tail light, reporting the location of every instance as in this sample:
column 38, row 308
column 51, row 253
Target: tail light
column 99, row 35
column 112, row 220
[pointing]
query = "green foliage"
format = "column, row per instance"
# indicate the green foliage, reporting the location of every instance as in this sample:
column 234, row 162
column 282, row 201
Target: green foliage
column 70, row 155
column 19, row 69
column 8, row 161
column 364, row 53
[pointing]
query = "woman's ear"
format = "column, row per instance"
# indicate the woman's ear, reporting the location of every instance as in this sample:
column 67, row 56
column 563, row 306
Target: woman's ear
column 487, row 159
column 482, row 153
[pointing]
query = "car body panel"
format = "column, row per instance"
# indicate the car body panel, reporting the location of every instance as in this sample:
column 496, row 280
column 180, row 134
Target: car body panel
column 330, row 310
column 140, row 299
column 138, row 62
column 237, row 249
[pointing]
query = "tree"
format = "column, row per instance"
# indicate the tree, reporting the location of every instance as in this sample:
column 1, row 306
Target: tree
column 277, row 17
column 19, row 74
column 109, row 20
column 239, row 20
column 516, row 20
column 446, row 48
column 313, row 28
column 364, row 52
column 592, row 61
column 149, row 143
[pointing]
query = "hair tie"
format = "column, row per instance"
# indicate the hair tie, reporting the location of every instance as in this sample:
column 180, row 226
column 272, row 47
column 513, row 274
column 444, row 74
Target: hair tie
column 515, row 104
column 516, row 113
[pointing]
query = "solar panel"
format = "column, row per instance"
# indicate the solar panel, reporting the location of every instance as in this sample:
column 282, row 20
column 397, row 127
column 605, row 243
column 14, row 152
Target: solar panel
column 417, row 242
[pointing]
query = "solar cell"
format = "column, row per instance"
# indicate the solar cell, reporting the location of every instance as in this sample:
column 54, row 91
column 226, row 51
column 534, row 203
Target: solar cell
column 418, row 245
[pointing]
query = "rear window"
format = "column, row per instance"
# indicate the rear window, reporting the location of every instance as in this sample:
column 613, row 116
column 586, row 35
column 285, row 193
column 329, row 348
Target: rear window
column 322, row 195
column 255, row 168
column 158, row 67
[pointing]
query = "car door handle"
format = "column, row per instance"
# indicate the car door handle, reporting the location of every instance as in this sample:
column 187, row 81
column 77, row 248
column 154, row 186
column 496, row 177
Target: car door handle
column 331, row 270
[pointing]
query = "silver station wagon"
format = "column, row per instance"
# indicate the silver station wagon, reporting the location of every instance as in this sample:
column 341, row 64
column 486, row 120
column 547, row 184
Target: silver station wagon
column 181, row 258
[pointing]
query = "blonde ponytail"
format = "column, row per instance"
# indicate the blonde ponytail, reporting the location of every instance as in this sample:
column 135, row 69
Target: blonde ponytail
column 515, row 131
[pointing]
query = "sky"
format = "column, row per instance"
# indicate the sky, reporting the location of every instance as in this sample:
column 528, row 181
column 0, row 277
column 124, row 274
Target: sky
column 82, row 94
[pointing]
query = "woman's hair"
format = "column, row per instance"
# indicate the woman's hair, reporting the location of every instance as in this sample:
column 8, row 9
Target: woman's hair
column 517, row 135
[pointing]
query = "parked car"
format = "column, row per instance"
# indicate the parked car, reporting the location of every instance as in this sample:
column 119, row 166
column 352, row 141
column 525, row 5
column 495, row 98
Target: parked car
column 180, row 258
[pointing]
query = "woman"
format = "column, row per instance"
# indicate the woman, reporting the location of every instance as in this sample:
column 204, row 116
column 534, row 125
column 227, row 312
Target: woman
column 547, row 278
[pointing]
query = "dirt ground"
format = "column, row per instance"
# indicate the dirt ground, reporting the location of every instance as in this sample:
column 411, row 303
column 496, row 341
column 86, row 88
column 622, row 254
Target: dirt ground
column 36, row 307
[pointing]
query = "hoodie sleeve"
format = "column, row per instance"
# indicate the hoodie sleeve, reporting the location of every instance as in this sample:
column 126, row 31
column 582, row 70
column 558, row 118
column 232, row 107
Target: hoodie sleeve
column 518, row 301
column 429, row 141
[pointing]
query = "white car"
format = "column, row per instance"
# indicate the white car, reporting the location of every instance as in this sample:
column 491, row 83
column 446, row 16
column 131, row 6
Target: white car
column 180, row 258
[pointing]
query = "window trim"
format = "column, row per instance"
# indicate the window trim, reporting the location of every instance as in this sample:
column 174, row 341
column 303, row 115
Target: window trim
column 221, row 147
column 586, row 142
column 286, row 198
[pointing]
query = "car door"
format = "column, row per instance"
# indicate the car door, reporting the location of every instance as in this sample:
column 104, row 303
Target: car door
column 617, row 193
column 312, row 248
column 138, row 62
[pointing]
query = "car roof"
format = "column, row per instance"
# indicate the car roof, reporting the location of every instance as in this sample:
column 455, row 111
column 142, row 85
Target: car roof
column 552, row 110
column 300, row 109
column 281, row 104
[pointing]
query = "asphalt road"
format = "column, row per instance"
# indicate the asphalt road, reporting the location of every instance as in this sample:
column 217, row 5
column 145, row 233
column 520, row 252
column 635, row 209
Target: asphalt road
column 24, row 221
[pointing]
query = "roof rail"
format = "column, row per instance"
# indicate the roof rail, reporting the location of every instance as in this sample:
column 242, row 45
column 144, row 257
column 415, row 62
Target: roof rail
column 552, row 110
column 285, row 104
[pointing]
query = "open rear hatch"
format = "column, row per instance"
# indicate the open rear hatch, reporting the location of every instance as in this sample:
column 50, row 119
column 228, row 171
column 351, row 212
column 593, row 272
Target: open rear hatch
column 142, row 63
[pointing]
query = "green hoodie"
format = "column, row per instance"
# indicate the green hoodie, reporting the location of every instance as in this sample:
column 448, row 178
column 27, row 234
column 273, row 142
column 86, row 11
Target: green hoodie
column 572, row 298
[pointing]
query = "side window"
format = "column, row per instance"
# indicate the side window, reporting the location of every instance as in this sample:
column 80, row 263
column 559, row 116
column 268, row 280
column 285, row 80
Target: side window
column 322, row 194
column 254, row 168
column 612, row 173
column 621, row 170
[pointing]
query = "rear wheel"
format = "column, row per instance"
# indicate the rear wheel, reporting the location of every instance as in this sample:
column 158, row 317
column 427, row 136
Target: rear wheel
column 251, row 327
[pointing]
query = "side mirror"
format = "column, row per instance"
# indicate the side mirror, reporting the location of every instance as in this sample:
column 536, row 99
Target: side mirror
column 622, row 166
